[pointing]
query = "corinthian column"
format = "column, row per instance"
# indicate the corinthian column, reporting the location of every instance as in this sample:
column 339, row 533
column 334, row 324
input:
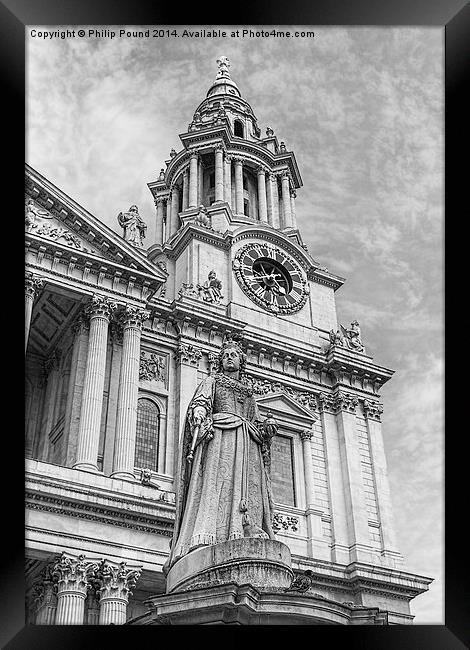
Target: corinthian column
column 72, row 577
column 175, row 197
column 117, row 582
column 219, row 173
column 159, row 230
column 124, row 445
column 238, row 186
column 99, row 310
column 185, row 189
column 193, row 180
column 262, row 205
column 32, row 285
column 45, row 591
column 228, row 180
column 292, row 208
column 286, row 200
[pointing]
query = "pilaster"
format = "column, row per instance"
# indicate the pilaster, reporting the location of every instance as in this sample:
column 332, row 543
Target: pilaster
column 45, row 591
column 316, row 544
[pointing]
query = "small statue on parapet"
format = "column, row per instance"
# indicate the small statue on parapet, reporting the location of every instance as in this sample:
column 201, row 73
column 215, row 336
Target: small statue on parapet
column 348, row 338
column 211, row 289
column 133, row 225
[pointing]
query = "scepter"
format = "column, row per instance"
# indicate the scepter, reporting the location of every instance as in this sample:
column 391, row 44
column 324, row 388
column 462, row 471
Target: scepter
column 190, row 456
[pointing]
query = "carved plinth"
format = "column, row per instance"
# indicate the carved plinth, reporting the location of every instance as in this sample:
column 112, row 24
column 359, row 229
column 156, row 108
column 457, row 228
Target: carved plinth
column 254, row 561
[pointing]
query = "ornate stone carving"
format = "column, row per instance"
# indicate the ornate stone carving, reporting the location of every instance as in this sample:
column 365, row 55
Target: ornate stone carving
column 269, row 131
column 211, row 289
column 283, row 522
column 172, row 153
column 133, row 316
column 73, row 574
column 161, row 176
column 133, row 225
column 117, row 581
column 100, row 306
column 264, row 387
column 326, row 403
column 146, row 478
column 202, row 218
column 81, row 322
column 282, row 147
column 306, row 434
column 213, row 360
column 152, row 367
column 348, row 338
column 223, row 64
column 187, row 353
column 187, row 289
column 32, row 284
column 372, row 410
column 346, row 402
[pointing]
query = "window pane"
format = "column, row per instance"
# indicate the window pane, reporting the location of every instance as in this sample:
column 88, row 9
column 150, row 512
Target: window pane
column 147, row 434
column 282, row 470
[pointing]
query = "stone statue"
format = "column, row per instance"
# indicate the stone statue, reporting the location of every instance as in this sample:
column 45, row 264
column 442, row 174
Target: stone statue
column 269, row 132
column 352, row 337
column 211, row 290
column 336, row 338
column 32, row 213
column 282, row 147
column 223, row 489
column 202, row 218
column 161, row 176
column 134, row 226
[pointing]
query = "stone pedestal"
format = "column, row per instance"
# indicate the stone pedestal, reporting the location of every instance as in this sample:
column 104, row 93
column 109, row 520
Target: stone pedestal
column 249, row 560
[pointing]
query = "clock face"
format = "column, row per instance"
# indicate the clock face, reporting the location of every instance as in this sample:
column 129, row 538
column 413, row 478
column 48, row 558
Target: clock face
column 271, row 278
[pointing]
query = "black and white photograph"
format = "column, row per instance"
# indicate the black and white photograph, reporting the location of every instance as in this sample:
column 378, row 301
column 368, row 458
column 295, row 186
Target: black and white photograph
column 234, row 405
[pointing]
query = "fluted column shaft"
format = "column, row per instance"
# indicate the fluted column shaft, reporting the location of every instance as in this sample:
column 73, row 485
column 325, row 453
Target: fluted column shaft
column 32, row 285
column 193, row 165
column 99, row 311
column 185, row 189
column 46, row 612
column 228, row 180
column 286, row 201
column 262, row 204
column 200, row 183
column 275, row 199
column 126, row 422
column 175, row 197
column 270, row 200
column 239, row 186
column 219, row 174
column 159, row 229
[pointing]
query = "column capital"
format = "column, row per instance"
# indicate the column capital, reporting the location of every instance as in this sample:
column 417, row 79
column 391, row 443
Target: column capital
column 100, row 306
column 237, row 160
column 306, row 434
column 219, row 146
column 346, row 402
column 372, row 410
column 194, row 155
column 228, row 157
column 273, row 176
column 160, row 200
column 188, row 354
column 133, row 316
column 81, row 322
column 326, row 403
column 116, row 582
column 32, row 284
column 261, row 170
column 72, row 574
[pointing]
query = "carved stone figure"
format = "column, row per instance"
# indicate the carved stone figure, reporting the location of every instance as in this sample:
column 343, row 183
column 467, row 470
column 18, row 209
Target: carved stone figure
column 211, row 290
column 269, row 132
column 202, row 218
column 282, row 147
column 133, row 225
column 352, row 337
column 32, row 213
column 172, row 153
column 161, row 176
column 223, row 64
column 223, row 488
column 336, row 338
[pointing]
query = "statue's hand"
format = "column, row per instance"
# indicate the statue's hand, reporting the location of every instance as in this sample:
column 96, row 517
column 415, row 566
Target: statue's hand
column 199, row 415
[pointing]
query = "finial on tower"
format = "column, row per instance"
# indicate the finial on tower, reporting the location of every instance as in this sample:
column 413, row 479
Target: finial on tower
column 224, row 64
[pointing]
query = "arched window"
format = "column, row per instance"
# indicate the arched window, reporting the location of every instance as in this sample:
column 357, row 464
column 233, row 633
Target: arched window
column 238, row 128
column 147, row 435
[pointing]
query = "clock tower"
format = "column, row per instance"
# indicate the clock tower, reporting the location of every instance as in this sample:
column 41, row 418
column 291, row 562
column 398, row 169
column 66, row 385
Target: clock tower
column 227, row 236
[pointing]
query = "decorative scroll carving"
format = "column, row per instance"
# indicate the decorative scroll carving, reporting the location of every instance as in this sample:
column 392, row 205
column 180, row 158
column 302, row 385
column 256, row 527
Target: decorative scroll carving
column 187, row 353
column 133, row 316
column 223, row 63
column 285, row 523
column 214, row 361
column 133, row 225
column 372, row 410
column 338, row 402
column 306, row 434
column 152, row 367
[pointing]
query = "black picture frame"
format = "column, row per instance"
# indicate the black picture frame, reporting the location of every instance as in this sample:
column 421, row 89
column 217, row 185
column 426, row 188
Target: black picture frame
column 454, row 17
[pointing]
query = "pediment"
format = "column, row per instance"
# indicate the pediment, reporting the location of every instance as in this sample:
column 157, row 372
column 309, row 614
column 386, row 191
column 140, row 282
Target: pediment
column 55, row 217
column 285, row 405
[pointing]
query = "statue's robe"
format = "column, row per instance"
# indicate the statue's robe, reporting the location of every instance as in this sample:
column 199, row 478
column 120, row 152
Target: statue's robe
column 225, row 493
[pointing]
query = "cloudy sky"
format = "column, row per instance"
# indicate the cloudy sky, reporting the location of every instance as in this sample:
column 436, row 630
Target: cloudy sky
column 362, row 108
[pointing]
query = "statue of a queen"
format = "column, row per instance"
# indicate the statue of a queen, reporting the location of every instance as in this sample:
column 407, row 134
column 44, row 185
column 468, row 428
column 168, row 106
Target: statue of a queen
column 224, row 488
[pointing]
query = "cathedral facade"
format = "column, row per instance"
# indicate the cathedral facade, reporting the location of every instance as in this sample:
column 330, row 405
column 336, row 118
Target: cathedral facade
column 121, row 330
